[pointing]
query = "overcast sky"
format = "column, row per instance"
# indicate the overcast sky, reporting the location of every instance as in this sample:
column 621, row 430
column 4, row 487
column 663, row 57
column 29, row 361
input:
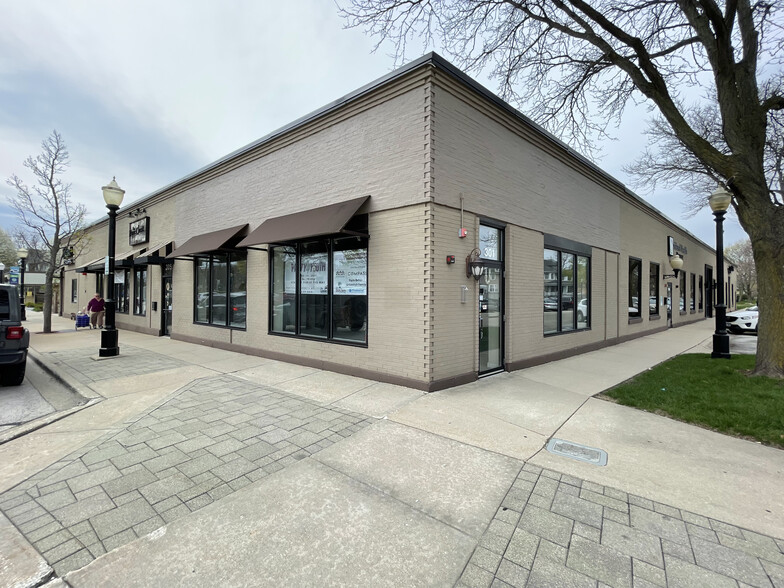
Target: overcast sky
column 150, row 91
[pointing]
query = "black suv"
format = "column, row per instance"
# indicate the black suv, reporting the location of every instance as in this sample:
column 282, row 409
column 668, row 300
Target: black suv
column 14, row 338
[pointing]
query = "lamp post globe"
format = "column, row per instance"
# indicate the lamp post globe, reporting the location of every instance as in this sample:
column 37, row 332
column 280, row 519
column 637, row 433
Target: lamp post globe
column 719, row 202
column 22, row 254
column 113, row 196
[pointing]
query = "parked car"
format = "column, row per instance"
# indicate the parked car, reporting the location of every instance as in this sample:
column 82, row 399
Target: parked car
column 14, row 338
column 743, row 320
column 550, row 304
column 582, row 310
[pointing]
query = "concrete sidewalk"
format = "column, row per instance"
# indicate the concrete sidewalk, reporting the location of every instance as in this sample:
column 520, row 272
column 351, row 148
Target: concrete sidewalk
column 204, row 467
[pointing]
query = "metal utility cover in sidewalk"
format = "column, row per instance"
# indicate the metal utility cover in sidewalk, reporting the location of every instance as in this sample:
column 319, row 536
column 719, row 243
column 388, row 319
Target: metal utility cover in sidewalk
column 577, row 451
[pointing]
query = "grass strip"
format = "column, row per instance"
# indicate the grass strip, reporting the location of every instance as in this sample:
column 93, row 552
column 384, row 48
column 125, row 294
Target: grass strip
column 714, row 393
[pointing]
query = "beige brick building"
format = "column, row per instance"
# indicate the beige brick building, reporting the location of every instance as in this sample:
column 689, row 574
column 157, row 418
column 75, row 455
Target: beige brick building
column 370, row 208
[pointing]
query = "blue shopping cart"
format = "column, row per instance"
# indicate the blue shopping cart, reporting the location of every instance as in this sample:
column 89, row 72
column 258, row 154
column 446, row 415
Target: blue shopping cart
column 82, row 320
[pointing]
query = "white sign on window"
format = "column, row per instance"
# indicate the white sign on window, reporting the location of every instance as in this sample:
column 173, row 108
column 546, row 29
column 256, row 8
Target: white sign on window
column 350, row 275
column 290, row 275
column 119, row 277
column 313, row 273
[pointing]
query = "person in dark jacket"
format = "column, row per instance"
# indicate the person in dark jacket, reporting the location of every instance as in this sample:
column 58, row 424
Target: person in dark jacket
column 96, row 309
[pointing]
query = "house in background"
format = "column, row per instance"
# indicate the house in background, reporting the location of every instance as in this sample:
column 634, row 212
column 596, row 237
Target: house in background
column 419, row 231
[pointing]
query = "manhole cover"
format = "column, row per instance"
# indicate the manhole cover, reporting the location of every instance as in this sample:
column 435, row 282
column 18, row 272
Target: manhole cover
column 577, row 451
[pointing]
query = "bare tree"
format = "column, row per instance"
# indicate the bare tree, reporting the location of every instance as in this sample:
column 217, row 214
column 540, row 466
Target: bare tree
column 49, row 220
column 575, row 64
column 741, row 257
column 7, row 249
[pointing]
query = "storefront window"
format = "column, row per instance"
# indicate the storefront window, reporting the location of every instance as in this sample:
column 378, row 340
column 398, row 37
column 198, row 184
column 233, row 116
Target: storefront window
column 635, row 287
column 567, row 299
column 74, row 292
column 319, row 289
column 122, row 278
column 693, row 293
column 284, row 290
column 700, row 295
column 682, row 285
column 220, row 289
column 653, row 290
column 314, row 289
column 349, row 291
column 140, row 291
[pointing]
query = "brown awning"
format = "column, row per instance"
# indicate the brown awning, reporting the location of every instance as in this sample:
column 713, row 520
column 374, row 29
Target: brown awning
column 326, row 220
column 125, row 259
column 96, row 266
column 215, row 241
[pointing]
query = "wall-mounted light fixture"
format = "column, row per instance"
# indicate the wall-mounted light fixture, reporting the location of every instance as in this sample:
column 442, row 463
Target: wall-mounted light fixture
column 474, row 265
column 137, row 212
column 676, row 262
column 730, row 269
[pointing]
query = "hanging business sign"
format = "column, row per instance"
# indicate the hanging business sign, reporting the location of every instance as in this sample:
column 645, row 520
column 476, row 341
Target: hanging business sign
column 350, row 272
column 13, row 274
column 313, row 273
column 139, row 231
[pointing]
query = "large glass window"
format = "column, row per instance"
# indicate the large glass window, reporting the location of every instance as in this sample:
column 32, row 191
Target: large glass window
column 653, row 290
column 319, row 289
column 140, row 291
column 121, row 296
column 700, row 296
column 349, row 290
column 682, row 286
column 220, row 289
column 566, row 291
column 693, row 293
column 74, row 291
column 635, row 287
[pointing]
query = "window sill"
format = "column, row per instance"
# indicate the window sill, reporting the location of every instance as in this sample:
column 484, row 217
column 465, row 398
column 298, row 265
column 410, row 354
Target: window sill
column 360, row 344
column 566, row 332
column 220, row 326
column 633, row 320
column 683, row 313
column 654, row 317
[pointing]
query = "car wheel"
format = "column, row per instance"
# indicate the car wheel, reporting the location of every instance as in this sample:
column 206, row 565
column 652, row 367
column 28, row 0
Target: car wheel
column 580, row 316
column 13, row 375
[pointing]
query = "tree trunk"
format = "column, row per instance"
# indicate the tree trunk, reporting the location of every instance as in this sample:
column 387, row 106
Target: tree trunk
column 764, row 223
column 770, row 282
column 48, row 289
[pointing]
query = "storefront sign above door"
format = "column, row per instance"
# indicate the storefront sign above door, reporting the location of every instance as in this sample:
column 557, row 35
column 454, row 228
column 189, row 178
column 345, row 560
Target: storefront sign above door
column 674, row 247
column 139, row 231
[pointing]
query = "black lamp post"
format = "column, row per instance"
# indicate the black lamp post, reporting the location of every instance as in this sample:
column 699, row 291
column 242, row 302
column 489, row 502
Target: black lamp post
column 113, row 196
column 719, row 203
column 22, row 253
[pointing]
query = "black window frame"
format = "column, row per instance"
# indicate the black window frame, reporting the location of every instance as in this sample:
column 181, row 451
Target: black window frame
column 682, row 295
column 700, row 299
column 140, row 291
column 635, row 289
column 556, row 244
column 231, row 256
column 74, row 291
column 356, row 229
column 653, row 289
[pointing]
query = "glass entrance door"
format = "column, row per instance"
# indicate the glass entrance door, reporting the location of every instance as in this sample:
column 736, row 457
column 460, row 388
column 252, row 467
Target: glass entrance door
column 491, row 320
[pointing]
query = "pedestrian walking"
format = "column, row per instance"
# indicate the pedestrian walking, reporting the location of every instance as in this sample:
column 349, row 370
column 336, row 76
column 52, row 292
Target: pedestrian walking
column 96, row 309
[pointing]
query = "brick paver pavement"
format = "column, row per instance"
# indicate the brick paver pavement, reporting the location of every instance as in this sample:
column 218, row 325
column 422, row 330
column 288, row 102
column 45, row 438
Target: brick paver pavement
column 212, row 438
column 554, row 530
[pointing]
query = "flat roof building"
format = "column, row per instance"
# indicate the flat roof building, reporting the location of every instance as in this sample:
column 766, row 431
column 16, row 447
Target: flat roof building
column 350, row 239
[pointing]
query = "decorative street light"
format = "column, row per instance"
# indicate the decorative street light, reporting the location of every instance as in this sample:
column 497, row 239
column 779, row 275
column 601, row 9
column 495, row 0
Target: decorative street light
column 2, row 269
column 719, row 203
column 22, row 253
column 113, row 196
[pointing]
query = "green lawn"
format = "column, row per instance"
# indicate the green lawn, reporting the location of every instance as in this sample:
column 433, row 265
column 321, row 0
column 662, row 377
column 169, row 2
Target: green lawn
column 713, row 393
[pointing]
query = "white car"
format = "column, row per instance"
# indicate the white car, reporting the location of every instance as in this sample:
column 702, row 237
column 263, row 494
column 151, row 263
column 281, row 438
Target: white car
column 743, row 320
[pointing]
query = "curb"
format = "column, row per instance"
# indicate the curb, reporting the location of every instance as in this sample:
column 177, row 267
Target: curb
column 77, row 388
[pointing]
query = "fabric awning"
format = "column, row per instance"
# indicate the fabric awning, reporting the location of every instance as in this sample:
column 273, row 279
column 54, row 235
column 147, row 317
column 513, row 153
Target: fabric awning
column 215, row 241
column 325, row 220
column 95, row 266
column 125, row 259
